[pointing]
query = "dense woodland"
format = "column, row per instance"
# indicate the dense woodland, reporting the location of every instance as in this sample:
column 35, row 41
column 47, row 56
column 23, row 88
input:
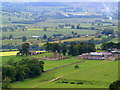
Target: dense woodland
column 26, row 68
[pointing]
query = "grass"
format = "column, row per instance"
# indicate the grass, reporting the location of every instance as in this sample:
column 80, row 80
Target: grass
column 115, row 40
column 101, row 51
column 73, row 39
column 48, row 64
column 38, row 32
column 99, row 73
column 29, row 33
column 35, row 29
column 101, row 76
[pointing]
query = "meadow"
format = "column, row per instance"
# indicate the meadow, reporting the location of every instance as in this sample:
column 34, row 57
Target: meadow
column 115, row 40
column 92, row 73
column 49, row 32
column 99, row 73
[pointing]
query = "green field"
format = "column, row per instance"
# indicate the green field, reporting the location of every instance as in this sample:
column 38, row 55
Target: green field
column 48, row 64
column 115, row 40
column 49, row 32
column 99, row 73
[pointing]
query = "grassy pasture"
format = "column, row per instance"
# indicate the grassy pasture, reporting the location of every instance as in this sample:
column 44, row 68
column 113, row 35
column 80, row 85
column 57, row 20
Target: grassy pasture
column 73, row 39
column 17, row 41
column 35, row 29
column 49, row 32
column 115, row 40
column 29, row 33
column 99, row 73
column 48, row 64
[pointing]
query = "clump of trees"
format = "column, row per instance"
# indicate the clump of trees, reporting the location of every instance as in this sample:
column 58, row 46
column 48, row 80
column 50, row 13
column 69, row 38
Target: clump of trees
column 73, row 49
column 79, row 48
column 24, row 38
column 107, row 31
column 110, row 45
column 26, row 68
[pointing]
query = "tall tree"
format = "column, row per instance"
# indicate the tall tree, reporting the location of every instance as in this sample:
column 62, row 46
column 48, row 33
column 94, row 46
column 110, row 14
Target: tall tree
column 45, row 37
column 78, row 26
column 25, row 48
column 72, row 26
column 10, row 36
column 72, row 50
column 24, row 38
column 48, row 46
column 56, row 47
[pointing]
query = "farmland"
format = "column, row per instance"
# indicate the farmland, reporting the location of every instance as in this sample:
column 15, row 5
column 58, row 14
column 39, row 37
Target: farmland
column 49, row 32
column 95, row 72
column 59, row 24
column 98, row 72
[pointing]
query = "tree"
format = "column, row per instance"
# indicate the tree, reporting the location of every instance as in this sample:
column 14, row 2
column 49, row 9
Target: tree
column 49, row 39
column 115, row 85
column 107, row 31
column 72, row 32
column 9, row 71
column 45, row 28
column 45, row 37
column 92, row 28
column 24, row 38
column 78, row 26
column 34, row 70
column 48, row 46
column 64, row 49
column 6, row 83
column 10, row 36
column 24, row 50
column 61, row 26
column 76, row 66
column 72, row 50
column 20, row 74
column 109, row 45
column 56, row 47
column 72, row 27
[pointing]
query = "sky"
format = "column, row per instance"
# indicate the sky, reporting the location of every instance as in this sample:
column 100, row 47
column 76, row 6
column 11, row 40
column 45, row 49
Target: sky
column 60, row 0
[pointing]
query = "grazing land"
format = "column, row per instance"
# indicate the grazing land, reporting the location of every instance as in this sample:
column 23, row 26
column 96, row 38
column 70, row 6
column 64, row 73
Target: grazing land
column 68, row 29
column 91, row 73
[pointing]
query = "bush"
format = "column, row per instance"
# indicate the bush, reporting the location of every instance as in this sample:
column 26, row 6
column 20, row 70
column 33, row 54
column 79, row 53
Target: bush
column 115, row 85
column 76, row 66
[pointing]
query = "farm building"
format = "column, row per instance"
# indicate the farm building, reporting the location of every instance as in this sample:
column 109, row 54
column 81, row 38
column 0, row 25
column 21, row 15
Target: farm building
column 95, row 55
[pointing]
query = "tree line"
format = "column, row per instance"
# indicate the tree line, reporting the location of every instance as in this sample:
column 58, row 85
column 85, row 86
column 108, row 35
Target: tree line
column 110, row 45
column 73, row 49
